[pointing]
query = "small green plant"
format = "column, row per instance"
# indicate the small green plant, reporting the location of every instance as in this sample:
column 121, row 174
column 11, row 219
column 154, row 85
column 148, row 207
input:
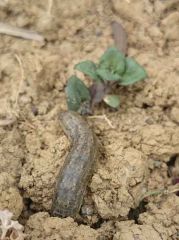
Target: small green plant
column 113, row 68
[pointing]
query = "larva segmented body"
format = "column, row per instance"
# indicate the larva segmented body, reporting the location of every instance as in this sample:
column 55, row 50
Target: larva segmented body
column 77, row 169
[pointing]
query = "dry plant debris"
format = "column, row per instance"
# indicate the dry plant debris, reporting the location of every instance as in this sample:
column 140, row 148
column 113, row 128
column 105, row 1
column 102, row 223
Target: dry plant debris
column 10, row 229
column 20, row 32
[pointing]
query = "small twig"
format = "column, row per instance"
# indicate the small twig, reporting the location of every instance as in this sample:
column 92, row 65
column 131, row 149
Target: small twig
column 22, row 77
column 50, row 4
column 164, row 191
column 7, row 122
column 28, row 124
column 103, row 117
column 20, row 32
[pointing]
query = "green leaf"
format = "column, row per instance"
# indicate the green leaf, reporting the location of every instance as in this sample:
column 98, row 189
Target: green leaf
column 134, row 72
column 88, row 68
column 112, row 100
column 76, row 92
column 105, row 74
column 113, row 61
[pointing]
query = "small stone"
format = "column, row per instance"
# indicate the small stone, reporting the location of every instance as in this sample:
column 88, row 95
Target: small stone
column 87, row 210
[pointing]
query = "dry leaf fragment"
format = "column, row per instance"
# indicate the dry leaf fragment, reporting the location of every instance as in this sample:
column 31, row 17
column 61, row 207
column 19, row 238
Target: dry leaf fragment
column 10, row 229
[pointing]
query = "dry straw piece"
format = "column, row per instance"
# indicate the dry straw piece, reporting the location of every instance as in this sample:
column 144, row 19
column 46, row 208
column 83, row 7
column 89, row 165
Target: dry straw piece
column 20, row 32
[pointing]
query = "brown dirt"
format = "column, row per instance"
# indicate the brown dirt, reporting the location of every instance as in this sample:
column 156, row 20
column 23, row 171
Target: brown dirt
column 137, row 156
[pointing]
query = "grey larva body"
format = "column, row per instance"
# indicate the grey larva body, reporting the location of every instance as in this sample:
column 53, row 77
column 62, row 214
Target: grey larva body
column 75, row 174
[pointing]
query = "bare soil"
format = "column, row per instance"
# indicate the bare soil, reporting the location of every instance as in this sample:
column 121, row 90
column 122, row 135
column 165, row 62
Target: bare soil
column 138, row 153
